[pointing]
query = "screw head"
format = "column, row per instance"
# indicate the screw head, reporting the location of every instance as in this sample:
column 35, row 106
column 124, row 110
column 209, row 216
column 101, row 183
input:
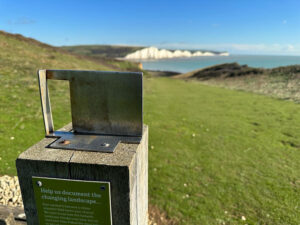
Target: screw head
column 104, row 145
column 65, row 142
column 39, row 183
column 102, row 188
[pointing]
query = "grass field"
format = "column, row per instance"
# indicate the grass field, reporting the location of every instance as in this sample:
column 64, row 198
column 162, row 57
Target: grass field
column 216, row 156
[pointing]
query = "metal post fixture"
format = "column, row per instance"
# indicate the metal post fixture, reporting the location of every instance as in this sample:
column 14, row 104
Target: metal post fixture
column 106, row 108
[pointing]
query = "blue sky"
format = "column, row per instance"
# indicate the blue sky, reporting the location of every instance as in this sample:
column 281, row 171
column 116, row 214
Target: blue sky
column 238, row 26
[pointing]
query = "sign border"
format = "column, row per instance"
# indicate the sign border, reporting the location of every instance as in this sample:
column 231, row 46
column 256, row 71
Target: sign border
column 65, row 179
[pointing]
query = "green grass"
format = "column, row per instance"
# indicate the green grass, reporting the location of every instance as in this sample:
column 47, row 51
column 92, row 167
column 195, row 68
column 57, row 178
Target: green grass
column 218, row 155
column 215, row 155
column 99, row 51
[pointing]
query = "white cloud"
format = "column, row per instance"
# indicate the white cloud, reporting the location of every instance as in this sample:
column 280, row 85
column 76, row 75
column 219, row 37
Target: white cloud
column 291, row 47
column 21, row 21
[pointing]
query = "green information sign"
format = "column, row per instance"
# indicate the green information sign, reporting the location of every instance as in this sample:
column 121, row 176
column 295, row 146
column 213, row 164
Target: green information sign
column 62, row 201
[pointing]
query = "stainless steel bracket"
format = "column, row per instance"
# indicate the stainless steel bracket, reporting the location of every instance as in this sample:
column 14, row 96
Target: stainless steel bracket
column 106, row 108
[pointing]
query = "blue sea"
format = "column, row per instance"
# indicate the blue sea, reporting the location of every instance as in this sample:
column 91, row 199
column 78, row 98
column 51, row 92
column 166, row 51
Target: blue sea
column 188, row 64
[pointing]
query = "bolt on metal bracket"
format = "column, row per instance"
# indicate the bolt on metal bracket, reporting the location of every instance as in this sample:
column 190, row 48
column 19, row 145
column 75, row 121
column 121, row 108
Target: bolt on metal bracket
column 106, row 108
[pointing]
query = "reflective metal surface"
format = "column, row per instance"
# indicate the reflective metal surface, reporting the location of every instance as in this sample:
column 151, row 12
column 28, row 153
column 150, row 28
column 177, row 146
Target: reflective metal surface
column 100, row 143
column 102, row 103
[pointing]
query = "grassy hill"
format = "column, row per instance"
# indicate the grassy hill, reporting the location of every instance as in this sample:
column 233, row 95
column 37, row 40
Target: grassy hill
column 20, row 113
column 100, row 51
column 281, row 82
column 216, row 156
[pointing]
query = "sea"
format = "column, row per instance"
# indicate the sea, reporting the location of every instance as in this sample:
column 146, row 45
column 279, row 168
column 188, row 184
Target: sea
column 188, row 64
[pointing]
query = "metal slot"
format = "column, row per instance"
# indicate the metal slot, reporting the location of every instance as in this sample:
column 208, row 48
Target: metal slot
column 106, row 109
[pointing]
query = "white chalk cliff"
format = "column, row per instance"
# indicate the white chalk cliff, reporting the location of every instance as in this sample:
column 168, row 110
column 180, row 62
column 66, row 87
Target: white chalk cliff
column 155, row 53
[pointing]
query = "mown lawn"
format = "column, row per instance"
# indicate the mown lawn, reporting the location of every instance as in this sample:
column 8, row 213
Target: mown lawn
column 219, row 156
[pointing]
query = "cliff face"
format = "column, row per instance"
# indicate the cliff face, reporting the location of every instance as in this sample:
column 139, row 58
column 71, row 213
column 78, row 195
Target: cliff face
column 155, row 53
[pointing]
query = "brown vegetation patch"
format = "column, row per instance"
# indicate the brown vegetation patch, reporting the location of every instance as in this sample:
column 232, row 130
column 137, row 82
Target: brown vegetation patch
column 157, row 217
column 281, row 82
column 226, row 70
